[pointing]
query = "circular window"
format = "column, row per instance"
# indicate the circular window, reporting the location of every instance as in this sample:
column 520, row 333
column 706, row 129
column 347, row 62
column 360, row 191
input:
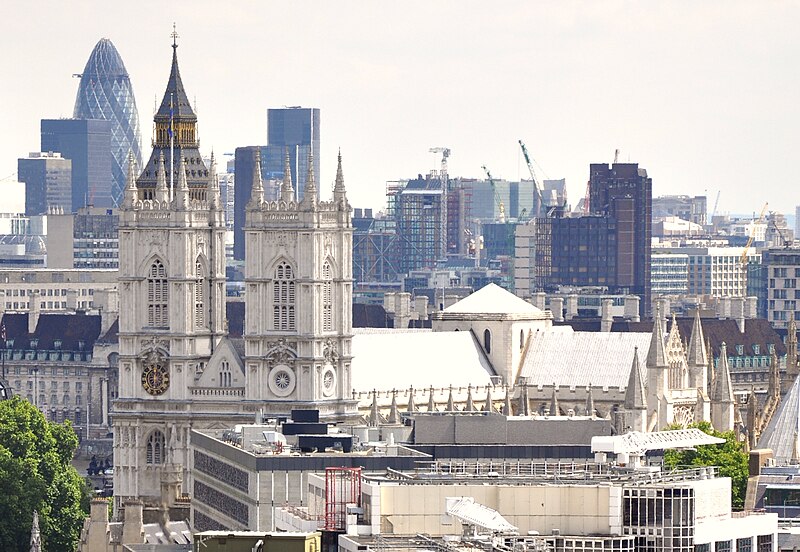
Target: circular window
column 328, row 381
column 281, row 381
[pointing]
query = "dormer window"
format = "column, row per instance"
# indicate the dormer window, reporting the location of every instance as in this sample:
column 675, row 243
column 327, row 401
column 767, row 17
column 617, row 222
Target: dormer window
column 740, row 350
column 756, row 349
column 81, row 345
column 57, row 344
column 34, row 343
column 771, row 348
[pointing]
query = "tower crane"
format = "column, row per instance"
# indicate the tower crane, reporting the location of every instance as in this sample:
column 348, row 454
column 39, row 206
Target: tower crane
column 445, row 154
column 743, row 260
column 538, row 201
column 502, row 216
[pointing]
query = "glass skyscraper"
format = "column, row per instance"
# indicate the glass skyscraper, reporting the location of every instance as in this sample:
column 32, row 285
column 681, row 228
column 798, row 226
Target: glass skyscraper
column 105, row 92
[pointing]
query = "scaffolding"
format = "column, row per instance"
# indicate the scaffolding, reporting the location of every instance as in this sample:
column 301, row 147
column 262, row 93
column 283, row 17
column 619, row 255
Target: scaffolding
column 342, row 489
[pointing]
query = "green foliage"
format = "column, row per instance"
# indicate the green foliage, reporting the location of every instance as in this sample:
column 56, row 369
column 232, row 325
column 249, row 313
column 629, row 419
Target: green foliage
column 36, row 474
column 729, row 457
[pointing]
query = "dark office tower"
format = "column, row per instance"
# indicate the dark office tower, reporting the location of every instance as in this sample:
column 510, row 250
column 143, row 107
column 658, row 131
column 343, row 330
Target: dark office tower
column 624, row 192
column 48, row 183
column 297, row 128
column 87, row 143
column 105, row 92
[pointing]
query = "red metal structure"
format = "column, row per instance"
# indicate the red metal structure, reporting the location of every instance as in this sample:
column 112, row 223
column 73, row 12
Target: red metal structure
column 342, row 487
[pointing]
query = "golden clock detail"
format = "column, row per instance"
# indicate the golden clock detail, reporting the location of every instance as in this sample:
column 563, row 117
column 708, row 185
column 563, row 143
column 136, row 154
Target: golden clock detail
column 155, row 379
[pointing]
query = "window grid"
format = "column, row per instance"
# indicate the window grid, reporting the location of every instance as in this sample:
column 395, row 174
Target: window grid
column 155, row 448
column 283, row 299
column 157, row 296
column 327, row 298
column 199, row 296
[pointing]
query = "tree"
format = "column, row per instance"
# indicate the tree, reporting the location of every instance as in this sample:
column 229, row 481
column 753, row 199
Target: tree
column 729, row 457
column 36, row 474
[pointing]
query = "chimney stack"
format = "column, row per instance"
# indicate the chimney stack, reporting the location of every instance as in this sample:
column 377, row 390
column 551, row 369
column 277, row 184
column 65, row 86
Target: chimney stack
column 606, row 318
column 557, row 308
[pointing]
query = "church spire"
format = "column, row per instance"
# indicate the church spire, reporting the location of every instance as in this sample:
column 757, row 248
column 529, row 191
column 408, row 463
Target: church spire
column 657, row 356
column 431, row 402
column 339, row 193
column 162, row 191
column 488, row 406
column 394, row 413
column 697, row 350
column 722, row 392
column 470, row 407
column 554, row 408
column 257, row 188
column 411, row 406
column 287, row 189
column 590, row 410
column 182, row 199
column 635, row 394
column 450, row 402
column 214, row 200
column 310, row 191
column 130, row 196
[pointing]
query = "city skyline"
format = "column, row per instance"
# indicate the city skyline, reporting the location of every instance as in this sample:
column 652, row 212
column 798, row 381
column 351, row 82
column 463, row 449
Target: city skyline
column 701, row 96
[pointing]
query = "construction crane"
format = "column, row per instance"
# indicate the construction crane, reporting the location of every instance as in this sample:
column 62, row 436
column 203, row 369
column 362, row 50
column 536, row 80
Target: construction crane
column 743, row 260
column 786, row 243
column 502, row 216
column 445, row 154
column 538, row 202
column 616, row 156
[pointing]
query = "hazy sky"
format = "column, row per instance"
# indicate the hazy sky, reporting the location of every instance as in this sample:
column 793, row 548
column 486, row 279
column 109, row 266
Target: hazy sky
column 704, row 95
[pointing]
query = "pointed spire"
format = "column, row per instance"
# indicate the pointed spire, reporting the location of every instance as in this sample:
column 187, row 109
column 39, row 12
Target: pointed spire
column 214, row 200
column 162, row 191
column 774, row 375
column 590, row 411
column 175, row 99
column 697, row 351
column 310, row 191
column 394, row 413
column 374, row 413
column 488, row 405
column 129, row 198
column 526, row 408
column 722, row 392
column 287, row 188
column 36, row 537
column 656, row 355
column 470, row 405
column 712, row 372
column 182, row 200
column 507, row 402
column 554, row 408
column 635, row 394
column 257, row 188
column 431, row 402
column 450, row 403
column 339, row 193
column 411, row 406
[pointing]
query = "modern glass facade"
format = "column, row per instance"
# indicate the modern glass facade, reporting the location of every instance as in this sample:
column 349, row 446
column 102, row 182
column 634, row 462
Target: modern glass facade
column 105, row 92
column 297, row 128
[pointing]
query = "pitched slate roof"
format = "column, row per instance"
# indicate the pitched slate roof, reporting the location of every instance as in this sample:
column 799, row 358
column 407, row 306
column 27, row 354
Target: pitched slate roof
column 782, row 430
column 71, row 330
column 578, row 359
column 492, row 299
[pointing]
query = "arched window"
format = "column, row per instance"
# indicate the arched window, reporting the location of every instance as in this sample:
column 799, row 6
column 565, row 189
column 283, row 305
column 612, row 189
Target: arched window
column 225, row 377
column 157, row 296
column 487, row 341
column 199, row 295
column 283, row 299
column 327, row 297
column 155, row 448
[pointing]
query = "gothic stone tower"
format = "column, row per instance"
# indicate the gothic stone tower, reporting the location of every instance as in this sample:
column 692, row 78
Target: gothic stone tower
column 298, row 327
column 172, row 299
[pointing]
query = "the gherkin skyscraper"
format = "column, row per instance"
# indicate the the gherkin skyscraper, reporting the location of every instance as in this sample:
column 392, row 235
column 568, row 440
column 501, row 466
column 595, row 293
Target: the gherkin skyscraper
column 105, row 92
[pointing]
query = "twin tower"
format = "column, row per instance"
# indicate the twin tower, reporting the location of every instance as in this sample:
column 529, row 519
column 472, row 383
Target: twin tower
column 178, row 368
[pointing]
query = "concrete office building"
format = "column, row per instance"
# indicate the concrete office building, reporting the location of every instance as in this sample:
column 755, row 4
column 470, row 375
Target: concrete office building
column 783, row 294
column 87, row 143
column 692, row 209
column 87, row 239
column 48, row 183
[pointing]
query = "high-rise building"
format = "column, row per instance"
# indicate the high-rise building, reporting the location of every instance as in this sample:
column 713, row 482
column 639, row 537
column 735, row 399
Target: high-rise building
column 48, row 183
column 421, row 215
column 87, row 143
column 86, row 239
column 298, row 129
column 105, row 92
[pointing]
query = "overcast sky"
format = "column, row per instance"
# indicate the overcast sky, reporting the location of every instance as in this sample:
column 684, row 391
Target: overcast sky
column 704, row 95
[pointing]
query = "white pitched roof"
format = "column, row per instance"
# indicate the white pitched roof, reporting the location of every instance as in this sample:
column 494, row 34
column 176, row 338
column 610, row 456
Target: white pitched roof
column 402, row 359
column 577, row 359
column 492, row 299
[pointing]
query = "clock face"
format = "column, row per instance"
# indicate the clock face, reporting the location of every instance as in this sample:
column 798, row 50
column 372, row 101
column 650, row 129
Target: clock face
column 155, row 379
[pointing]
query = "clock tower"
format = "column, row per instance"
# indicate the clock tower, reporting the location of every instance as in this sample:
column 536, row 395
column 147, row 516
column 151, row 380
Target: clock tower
column 172, row 299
